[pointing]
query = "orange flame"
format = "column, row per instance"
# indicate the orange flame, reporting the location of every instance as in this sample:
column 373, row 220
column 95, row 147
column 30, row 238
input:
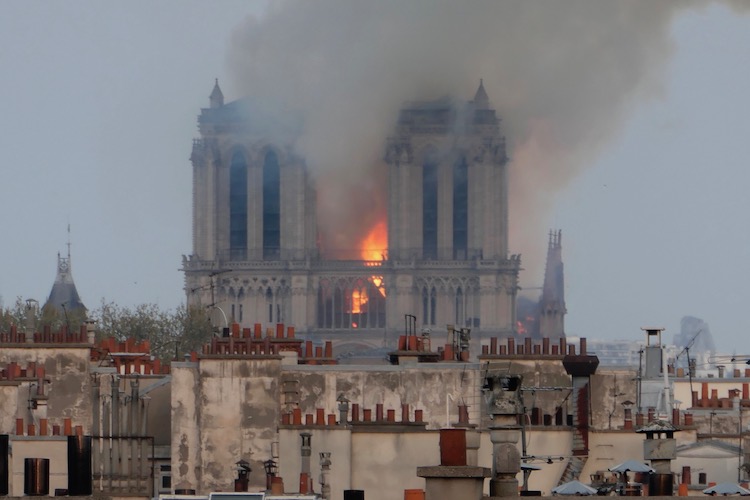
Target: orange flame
column 372, row 250
column 359, row 298
column 375, row 244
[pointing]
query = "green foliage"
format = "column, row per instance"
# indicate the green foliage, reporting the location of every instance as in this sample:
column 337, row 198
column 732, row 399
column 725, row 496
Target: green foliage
column 172, row 334
column 13, row 315
column 18, row 314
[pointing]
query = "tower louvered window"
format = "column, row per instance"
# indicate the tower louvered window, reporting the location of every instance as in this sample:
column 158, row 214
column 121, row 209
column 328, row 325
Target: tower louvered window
column 238, row 207
column 460, row 209
column 271, row 207
column 429, row 210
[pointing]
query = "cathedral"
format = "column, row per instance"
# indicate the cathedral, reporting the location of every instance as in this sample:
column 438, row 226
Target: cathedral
column 256, row 256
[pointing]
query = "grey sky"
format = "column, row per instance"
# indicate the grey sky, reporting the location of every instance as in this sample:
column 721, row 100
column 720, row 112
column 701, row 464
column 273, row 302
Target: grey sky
column 657, row 229
column 99, row 108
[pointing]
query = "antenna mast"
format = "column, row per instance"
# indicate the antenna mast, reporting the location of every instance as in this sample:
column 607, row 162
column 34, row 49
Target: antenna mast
column 686, row 350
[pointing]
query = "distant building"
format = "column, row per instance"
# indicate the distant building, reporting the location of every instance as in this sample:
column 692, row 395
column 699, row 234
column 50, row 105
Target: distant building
column 695, row 335
column 256, row 254
column 63, row 297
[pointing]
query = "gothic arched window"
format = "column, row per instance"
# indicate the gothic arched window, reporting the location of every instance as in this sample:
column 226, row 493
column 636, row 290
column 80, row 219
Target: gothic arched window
column 433, row 305
column 271, row 207
column 269, row 302
column 238, row 207
column 460, row 310
column 429, row 299
column 351, row 303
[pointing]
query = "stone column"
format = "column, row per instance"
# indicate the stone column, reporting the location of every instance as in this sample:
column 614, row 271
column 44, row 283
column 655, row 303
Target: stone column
column 506, row 460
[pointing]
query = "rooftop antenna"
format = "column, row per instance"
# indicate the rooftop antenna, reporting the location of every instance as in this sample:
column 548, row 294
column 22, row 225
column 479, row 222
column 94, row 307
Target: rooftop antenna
column 686, row 350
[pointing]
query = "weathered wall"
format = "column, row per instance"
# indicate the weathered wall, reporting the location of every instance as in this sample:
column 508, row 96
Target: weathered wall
column 70, row 390
column 609, row 389
column 185, row 435
column 224, row 410
column 424, row 386
column 9, row 396
column 236, row 406
column 437, row 388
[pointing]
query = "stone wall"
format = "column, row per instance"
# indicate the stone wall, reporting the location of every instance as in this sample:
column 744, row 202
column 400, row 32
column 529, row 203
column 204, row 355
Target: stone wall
column 223, row 410
column 69, row 390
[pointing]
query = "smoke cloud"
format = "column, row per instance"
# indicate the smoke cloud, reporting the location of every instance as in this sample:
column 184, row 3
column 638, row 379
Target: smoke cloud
column 563, row 77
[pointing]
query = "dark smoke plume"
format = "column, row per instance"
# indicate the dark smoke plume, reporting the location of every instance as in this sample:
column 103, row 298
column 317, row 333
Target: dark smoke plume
column 563, row 76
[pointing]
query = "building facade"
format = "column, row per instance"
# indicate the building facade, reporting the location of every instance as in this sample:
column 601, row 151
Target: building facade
column 256, row 254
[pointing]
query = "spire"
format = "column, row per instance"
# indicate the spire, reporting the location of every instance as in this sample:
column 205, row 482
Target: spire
column 64, row 295
column 553, row 274
column 552, row 303
column 216, row 97
column 480, row 98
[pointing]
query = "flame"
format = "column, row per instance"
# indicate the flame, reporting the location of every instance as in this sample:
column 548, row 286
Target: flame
column 359, row 298
column 373, row 249
column 522, row 325
column 520, row 328
column 374, row 246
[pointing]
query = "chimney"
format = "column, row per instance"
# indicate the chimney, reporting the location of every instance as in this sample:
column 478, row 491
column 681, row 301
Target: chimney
column 31, row 311
column 304, row 475
column 325, row 471
column 463, row 414
column 90, row 331
column 242, row 481
column 628, row 424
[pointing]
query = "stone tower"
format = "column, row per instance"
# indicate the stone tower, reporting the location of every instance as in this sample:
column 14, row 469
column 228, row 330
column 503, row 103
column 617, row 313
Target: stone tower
column 64, row 298
column 253, row 212
column 448, row 216
column 255, row 254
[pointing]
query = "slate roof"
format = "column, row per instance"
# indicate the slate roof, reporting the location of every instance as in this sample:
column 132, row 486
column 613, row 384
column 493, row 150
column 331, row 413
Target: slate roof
column 64, row 295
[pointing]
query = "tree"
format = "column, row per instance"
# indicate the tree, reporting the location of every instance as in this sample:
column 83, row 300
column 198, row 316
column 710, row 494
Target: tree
column 14, row 315
column 172, row 334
